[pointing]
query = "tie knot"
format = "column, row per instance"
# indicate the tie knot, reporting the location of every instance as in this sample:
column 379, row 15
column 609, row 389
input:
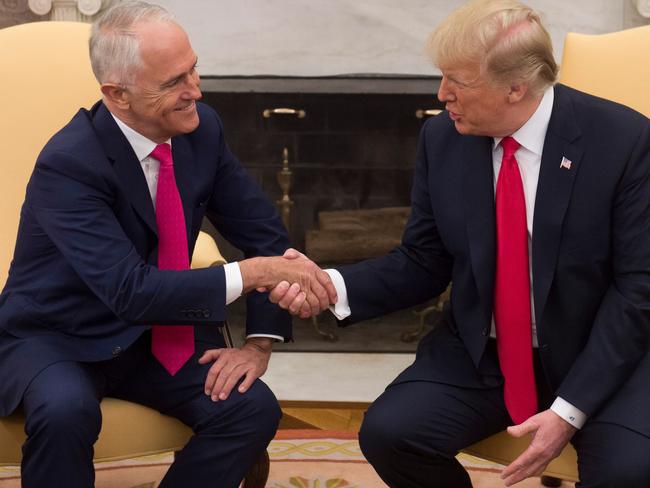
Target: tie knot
column 163, row 153
column 509, row 146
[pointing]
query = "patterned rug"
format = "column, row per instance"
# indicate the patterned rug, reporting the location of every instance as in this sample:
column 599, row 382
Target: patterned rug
column 299, row 459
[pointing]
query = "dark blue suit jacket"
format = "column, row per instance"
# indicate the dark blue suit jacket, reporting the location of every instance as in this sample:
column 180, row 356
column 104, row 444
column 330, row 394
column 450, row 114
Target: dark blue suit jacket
column 83, row 284
column 590, row 254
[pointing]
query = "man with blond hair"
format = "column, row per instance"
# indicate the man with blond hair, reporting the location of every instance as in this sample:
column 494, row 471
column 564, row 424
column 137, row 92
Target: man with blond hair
column 100, row 299
column 531, row 198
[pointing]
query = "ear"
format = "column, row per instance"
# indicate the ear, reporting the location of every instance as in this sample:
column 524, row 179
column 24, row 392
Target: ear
column 517, row 92
column 116, row 95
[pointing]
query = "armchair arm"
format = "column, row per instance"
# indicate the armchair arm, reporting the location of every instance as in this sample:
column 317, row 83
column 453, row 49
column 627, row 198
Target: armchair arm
column 206, row 252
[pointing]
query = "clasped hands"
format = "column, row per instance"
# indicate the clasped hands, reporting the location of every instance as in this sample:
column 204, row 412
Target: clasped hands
column 294, row 281
column 298, row 301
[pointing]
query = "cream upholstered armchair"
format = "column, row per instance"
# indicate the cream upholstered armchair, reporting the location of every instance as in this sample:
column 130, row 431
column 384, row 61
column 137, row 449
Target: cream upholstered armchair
column 46, row 78
column 613, row 66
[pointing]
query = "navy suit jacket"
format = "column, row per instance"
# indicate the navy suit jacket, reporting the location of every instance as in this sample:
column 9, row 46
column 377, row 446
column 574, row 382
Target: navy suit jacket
column 83, row 284
column 590, row 258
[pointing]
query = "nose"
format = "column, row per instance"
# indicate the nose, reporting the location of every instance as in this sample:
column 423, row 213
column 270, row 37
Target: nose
column 192, row 84
column 444, row 92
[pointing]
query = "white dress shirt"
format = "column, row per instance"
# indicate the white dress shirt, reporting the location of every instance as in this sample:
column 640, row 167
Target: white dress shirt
column 529, row 158
column 142, row 147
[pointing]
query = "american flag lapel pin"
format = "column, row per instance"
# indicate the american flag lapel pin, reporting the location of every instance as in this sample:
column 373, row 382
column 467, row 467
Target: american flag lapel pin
column 566, row 163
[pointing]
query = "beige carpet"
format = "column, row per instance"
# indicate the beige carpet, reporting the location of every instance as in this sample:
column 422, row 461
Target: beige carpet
column 299, row 459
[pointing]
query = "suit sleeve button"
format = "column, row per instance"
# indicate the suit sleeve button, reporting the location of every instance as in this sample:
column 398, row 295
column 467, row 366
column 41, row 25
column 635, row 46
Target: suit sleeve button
column 207, row 314
column 117, row 350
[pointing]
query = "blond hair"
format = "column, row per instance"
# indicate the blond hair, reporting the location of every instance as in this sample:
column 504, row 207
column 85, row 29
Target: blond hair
column 504, row 38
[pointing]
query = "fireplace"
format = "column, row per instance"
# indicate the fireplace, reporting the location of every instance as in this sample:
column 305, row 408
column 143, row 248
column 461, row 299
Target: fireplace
column 353, row 149
column 350, row 153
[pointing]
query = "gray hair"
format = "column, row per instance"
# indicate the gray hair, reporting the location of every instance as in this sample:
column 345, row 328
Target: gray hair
column 114, row 44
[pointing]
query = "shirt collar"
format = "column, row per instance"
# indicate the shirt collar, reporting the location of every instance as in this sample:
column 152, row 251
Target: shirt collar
column 531, row 135
column 141, row 145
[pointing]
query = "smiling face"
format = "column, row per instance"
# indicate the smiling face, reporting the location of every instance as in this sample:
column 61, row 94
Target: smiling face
column 477, row 105
column 161, row 103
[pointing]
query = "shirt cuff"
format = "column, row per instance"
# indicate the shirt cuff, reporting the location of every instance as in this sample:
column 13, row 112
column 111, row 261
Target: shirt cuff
column 568, row 412
column 270, row 336
column 234, row 282
column 341, row 309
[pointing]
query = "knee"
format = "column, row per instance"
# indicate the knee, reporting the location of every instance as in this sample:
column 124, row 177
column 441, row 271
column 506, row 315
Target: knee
column 371, row 438
column 263, row 407
column 387, row 436
column 65, row 417
column 380, row 436
column 627, row 473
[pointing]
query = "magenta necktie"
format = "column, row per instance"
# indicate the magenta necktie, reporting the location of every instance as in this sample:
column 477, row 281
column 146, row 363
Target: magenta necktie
column 512, row 290
column 172, row 345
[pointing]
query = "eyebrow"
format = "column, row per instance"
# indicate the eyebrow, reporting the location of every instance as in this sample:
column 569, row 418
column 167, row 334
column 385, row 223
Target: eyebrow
column 468, row 84
column 173, row 80
column 455, row 79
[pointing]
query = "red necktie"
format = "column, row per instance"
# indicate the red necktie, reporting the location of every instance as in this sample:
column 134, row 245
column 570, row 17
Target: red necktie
column 172, row 345
column 512, row 290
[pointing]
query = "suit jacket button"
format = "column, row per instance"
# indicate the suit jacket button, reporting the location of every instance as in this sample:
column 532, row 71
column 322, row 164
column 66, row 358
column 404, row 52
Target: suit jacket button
column 206, row 314
column 117, row 350
column 485, row 331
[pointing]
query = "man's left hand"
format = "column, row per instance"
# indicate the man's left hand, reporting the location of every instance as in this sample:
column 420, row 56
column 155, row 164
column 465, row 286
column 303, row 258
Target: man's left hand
column 550, row 434
column 233, row 364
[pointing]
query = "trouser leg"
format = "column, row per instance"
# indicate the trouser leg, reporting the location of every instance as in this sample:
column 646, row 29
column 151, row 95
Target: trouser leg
column 413, row 431
column 611, row 456
column 229, row 435
column 62, row 422
column 228, row 441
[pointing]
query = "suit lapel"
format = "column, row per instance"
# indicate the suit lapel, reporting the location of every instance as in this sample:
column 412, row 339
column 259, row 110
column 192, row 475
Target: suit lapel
column 183, row 172
column 125, row 164
column 478, row 189
column 553, row 194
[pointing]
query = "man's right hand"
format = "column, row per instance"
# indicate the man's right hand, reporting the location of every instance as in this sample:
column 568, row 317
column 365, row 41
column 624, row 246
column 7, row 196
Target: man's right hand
column 289, row 297
column 297, row 283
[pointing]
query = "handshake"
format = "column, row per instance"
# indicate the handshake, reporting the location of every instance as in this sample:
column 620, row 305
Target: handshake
column 294, row 281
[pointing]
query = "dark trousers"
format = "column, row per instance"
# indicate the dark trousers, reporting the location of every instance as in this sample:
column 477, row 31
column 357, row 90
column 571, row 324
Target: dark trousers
column 412, row 432
column 63, row 419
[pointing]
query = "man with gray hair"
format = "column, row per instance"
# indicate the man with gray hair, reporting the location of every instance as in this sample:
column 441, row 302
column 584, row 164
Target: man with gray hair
column 100, row 299
column 532, row 199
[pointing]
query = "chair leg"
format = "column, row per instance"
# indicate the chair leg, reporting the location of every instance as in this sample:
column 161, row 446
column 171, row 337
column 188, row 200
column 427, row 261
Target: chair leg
column 258, row 474
column 551, row 481
column 225, row 333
